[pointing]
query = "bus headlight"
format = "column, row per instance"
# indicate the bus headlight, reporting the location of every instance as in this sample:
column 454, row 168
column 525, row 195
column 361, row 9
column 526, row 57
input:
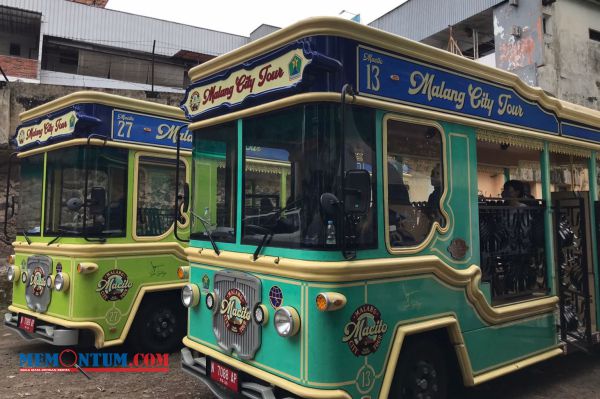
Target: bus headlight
column 286, row 321
column 13, row 273
column 24, row 277
column 190, row 295
column 61, row 282
column 49, row 282
column 211, row 299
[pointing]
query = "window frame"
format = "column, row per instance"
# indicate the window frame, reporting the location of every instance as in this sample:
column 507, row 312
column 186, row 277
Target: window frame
column 435, row 227
column 135, row 196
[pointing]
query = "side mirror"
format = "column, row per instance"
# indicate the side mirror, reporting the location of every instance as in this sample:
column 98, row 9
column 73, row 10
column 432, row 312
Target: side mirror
column 97, row 200
column 357, row 191
column 329, row 206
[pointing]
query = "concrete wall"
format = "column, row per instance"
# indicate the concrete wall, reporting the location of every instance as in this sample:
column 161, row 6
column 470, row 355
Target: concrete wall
column 572, row 60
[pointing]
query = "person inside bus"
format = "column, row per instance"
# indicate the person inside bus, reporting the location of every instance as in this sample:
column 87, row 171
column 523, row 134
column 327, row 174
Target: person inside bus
column 399, row 200
column 433, row 202
column 513, row 192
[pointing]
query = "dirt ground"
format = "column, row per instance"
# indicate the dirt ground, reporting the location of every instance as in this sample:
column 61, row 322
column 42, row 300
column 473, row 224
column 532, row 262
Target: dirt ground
column 575, row 376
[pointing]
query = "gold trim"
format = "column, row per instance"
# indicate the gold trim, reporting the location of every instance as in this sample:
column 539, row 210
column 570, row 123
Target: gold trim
column 408, row 48
column 377, row 269
column 435, row 227
column 96, row 97
column 569, row 150
column 396, row 108
column 101, row 250
column 98, row 142
column 296, row 389
column 503, row 138
column 135, row 196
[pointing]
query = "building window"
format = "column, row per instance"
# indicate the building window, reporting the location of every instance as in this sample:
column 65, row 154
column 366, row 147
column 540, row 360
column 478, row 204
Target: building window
column 595, row 35
column 15, row 49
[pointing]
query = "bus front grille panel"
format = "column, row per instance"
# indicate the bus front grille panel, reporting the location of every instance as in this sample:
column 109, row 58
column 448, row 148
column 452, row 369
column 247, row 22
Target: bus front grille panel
column 233, row 322
column 37, row 294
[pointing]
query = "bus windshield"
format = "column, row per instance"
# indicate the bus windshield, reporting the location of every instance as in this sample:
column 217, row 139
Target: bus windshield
column 29, row 215
column 105, row 205
column 290, row 158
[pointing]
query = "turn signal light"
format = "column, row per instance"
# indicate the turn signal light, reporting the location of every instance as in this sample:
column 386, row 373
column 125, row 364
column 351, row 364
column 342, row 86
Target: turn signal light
column 10, row 259
column 329, row 301
column 183, row 272
column 86, row 267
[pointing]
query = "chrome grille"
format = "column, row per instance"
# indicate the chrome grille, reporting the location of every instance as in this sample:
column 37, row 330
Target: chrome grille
column 37, row 296
column 246, row 341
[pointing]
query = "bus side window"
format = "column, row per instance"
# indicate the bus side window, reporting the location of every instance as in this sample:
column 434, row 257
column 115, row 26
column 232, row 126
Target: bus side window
column 155, row 194
column 414, row 181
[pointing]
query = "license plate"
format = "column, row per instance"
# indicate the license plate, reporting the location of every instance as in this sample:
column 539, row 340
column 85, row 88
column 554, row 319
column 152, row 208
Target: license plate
column 27, row 323
column 224, row 376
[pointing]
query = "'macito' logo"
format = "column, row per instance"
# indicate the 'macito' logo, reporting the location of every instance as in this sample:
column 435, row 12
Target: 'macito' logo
column 37, row 281
column 365, row 331
column 114, row 285
column 234, row 309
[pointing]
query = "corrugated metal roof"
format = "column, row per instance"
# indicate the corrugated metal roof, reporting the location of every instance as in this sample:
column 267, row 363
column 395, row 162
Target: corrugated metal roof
column 419, row 19
column 69, row 20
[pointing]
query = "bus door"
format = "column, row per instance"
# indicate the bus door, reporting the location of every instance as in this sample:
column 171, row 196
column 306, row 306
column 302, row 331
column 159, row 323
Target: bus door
column 574, row 269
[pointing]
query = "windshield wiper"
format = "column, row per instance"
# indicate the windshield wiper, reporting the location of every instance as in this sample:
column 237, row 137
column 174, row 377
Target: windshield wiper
column 266, row 234
column 60, row 235
column 26, row 237
column 206, row 228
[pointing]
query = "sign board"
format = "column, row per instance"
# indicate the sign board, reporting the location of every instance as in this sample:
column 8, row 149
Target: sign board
column 47, row 129
column 137, row 128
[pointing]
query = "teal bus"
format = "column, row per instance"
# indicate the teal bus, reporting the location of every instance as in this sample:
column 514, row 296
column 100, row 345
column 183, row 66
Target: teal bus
column 372, row 217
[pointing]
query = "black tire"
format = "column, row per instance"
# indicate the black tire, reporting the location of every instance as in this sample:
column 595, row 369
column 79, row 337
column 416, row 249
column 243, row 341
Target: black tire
column 422, row 371
column 160, row 324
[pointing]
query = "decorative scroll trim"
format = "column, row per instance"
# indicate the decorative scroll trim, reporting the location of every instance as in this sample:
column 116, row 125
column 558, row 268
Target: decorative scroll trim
column 504, row 138
column 569, row 150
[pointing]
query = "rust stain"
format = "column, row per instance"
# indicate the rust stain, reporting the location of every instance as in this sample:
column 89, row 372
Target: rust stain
column 518, row 53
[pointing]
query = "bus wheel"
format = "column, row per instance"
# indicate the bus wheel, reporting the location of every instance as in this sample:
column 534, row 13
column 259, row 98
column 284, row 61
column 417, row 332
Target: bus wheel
column 159, row 325
column 421, row 372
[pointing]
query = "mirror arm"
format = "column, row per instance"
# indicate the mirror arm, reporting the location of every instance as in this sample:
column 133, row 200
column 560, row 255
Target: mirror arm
column 85, row 188
column 176, row 210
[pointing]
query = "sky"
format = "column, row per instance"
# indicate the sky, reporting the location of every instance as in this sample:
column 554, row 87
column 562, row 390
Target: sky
column 242, row 17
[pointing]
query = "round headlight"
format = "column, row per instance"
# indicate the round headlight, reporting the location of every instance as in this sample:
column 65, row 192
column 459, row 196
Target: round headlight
column 261, row 314
column 190, row 295
column 13, row 273
column 61, row 282
column 24, row 277
column 49, row 282
column 286, row 321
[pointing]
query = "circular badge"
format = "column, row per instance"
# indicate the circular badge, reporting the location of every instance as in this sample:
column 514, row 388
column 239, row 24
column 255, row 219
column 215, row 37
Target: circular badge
column 235, row 311
column 114, row 285
column 365, row 331
column 276, row 297
column 37, row 282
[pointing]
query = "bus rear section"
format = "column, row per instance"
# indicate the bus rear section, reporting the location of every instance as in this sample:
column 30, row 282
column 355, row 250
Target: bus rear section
column 96, row 254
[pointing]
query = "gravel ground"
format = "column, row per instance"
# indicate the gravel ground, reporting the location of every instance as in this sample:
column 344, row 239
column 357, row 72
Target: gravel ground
column 574, row 376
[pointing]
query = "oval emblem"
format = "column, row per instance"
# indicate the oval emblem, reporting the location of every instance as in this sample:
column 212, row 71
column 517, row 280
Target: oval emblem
column 37, row 282
column 365, row 331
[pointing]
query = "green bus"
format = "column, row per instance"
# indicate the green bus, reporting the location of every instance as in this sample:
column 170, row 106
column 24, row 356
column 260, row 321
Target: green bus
column 435, row 224
column 96, row 252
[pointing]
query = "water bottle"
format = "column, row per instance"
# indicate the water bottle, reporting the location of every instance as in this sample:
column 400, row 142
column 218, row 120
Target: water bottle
column 330, row 237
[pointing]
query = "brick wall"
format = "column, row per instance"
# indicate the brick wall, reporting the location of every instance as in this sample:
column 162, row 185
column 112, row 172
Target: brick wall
column 19, row 67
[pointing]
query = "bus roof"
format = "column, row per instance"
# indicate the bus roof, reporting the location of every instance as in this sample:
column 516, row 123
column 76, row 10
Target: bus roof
column 333, row 51
column 116, row 118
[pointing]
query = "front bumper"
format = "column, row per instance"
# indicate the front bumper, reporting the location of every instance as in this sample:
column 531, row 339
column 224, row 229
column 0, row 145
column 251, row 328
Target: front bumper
column 44, row 331
column 197, row 366
column 254, row 382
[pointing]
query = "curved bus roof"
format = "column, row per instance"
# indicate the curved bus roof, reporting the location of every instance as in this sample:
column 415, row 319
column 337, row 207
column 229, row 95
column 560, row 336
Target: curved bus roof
column 332, row 51
column 106, row 116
